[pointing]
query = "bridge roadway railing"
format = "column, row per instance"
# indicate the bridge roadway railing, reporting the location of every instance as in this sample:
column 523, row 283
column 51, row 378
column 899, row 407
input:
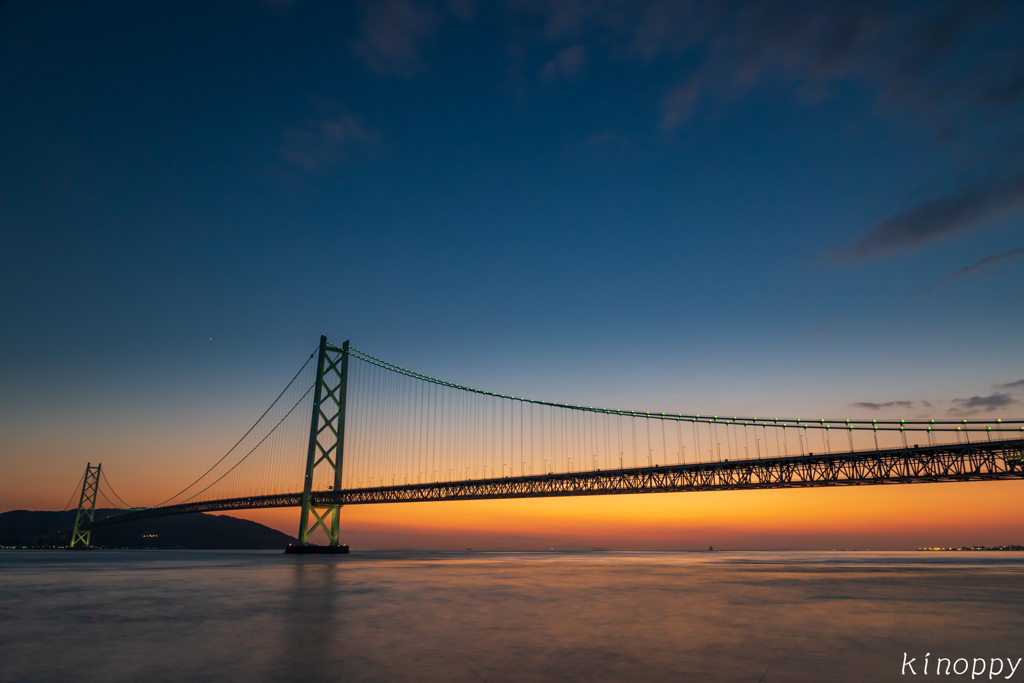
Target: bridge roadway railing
column 986, row 460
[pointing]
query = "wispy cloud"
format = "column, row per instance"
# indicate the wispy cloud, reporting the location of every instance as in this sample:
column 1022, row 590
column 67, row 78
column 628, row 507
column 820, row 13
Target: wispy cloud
column 463, row 10
column 321, row 143
column 568, row 63
column 957, row 68
column 607, row 139
column 986, row 404
column 392, row 34
column 957, row 406
column 679, row 104
column 279, row 5
column 982, row 263
column 881, row 406
column 1004, row 95
column 949, row 214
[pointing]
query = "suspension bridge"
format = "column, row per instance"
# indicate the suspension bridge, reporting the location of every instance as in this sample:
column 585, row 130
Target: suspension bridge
column 352, row 429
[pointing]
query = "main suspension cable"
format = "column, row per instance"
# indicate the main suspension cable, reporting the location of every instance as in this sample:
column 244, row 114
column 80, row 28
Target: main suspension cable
column 249, row 431
column 901, row 425
column 104, row 475
column 286, row 415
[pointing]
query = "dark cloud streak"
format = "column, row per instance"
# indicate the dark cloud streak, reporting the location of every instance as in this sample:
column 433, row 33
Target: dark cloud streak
column 983, row 403
column 949, row 214
column 881, row 406
column 1004, row 96
column 979, row 264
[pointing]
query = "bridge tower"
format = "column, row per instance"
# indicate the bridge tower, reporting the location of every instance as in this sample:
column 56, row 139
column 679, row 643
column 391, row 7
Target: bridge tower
column 86, row 505
column 326, row 447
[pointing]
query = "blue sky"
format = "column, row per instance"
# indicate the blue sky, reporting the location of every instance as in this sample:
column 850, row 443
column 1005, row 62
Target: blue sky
column 753, row 206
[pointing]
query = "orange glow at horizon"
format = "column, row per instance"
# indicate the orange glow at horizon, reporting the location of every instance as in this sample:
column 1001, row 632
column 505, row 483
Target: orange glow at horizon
column 879, row 517
column 887, row 516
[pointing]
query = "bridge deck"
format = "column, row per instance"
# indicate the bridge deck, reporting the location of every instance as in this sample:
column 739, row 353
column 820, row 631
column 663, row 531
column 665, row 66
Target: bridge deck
column 942, row 463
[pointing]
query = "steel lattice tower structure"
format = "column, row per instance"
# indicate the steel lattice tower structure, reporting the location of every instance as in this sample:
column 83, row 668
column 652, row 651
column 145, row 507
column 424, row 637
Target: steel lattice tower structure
column 86, row 506
column 326, row 444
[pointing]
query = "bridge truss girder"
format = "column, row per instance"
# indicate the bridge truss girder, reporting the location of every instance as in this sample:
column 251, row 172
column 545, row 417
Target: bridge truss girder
column 966, row 462
column 984, row 461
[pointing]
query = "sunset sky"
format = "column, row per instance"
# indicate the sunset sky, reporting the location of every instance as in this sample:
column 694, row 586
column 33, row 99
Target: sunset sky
column 746, row 207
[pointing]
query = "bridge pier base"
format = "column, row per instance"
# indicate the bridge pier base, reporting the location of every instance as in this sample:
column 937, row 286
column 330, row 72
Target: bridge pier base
column 316, row 550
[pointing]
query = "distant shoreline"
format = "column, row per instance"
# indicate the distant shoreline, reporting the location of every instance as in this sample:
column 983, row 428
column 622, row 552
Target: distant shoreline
column 975, row 548
column 444, row 551
column 46, row 530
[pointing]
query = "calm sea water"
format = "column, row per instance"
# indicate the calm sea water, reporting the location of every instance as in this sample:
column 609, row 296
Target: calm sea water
column 600, row 616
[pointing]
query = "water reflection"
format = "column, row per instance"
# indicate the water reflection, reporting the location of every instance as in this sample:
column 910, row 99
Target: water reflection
column 312, row 622
column 172, row 616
